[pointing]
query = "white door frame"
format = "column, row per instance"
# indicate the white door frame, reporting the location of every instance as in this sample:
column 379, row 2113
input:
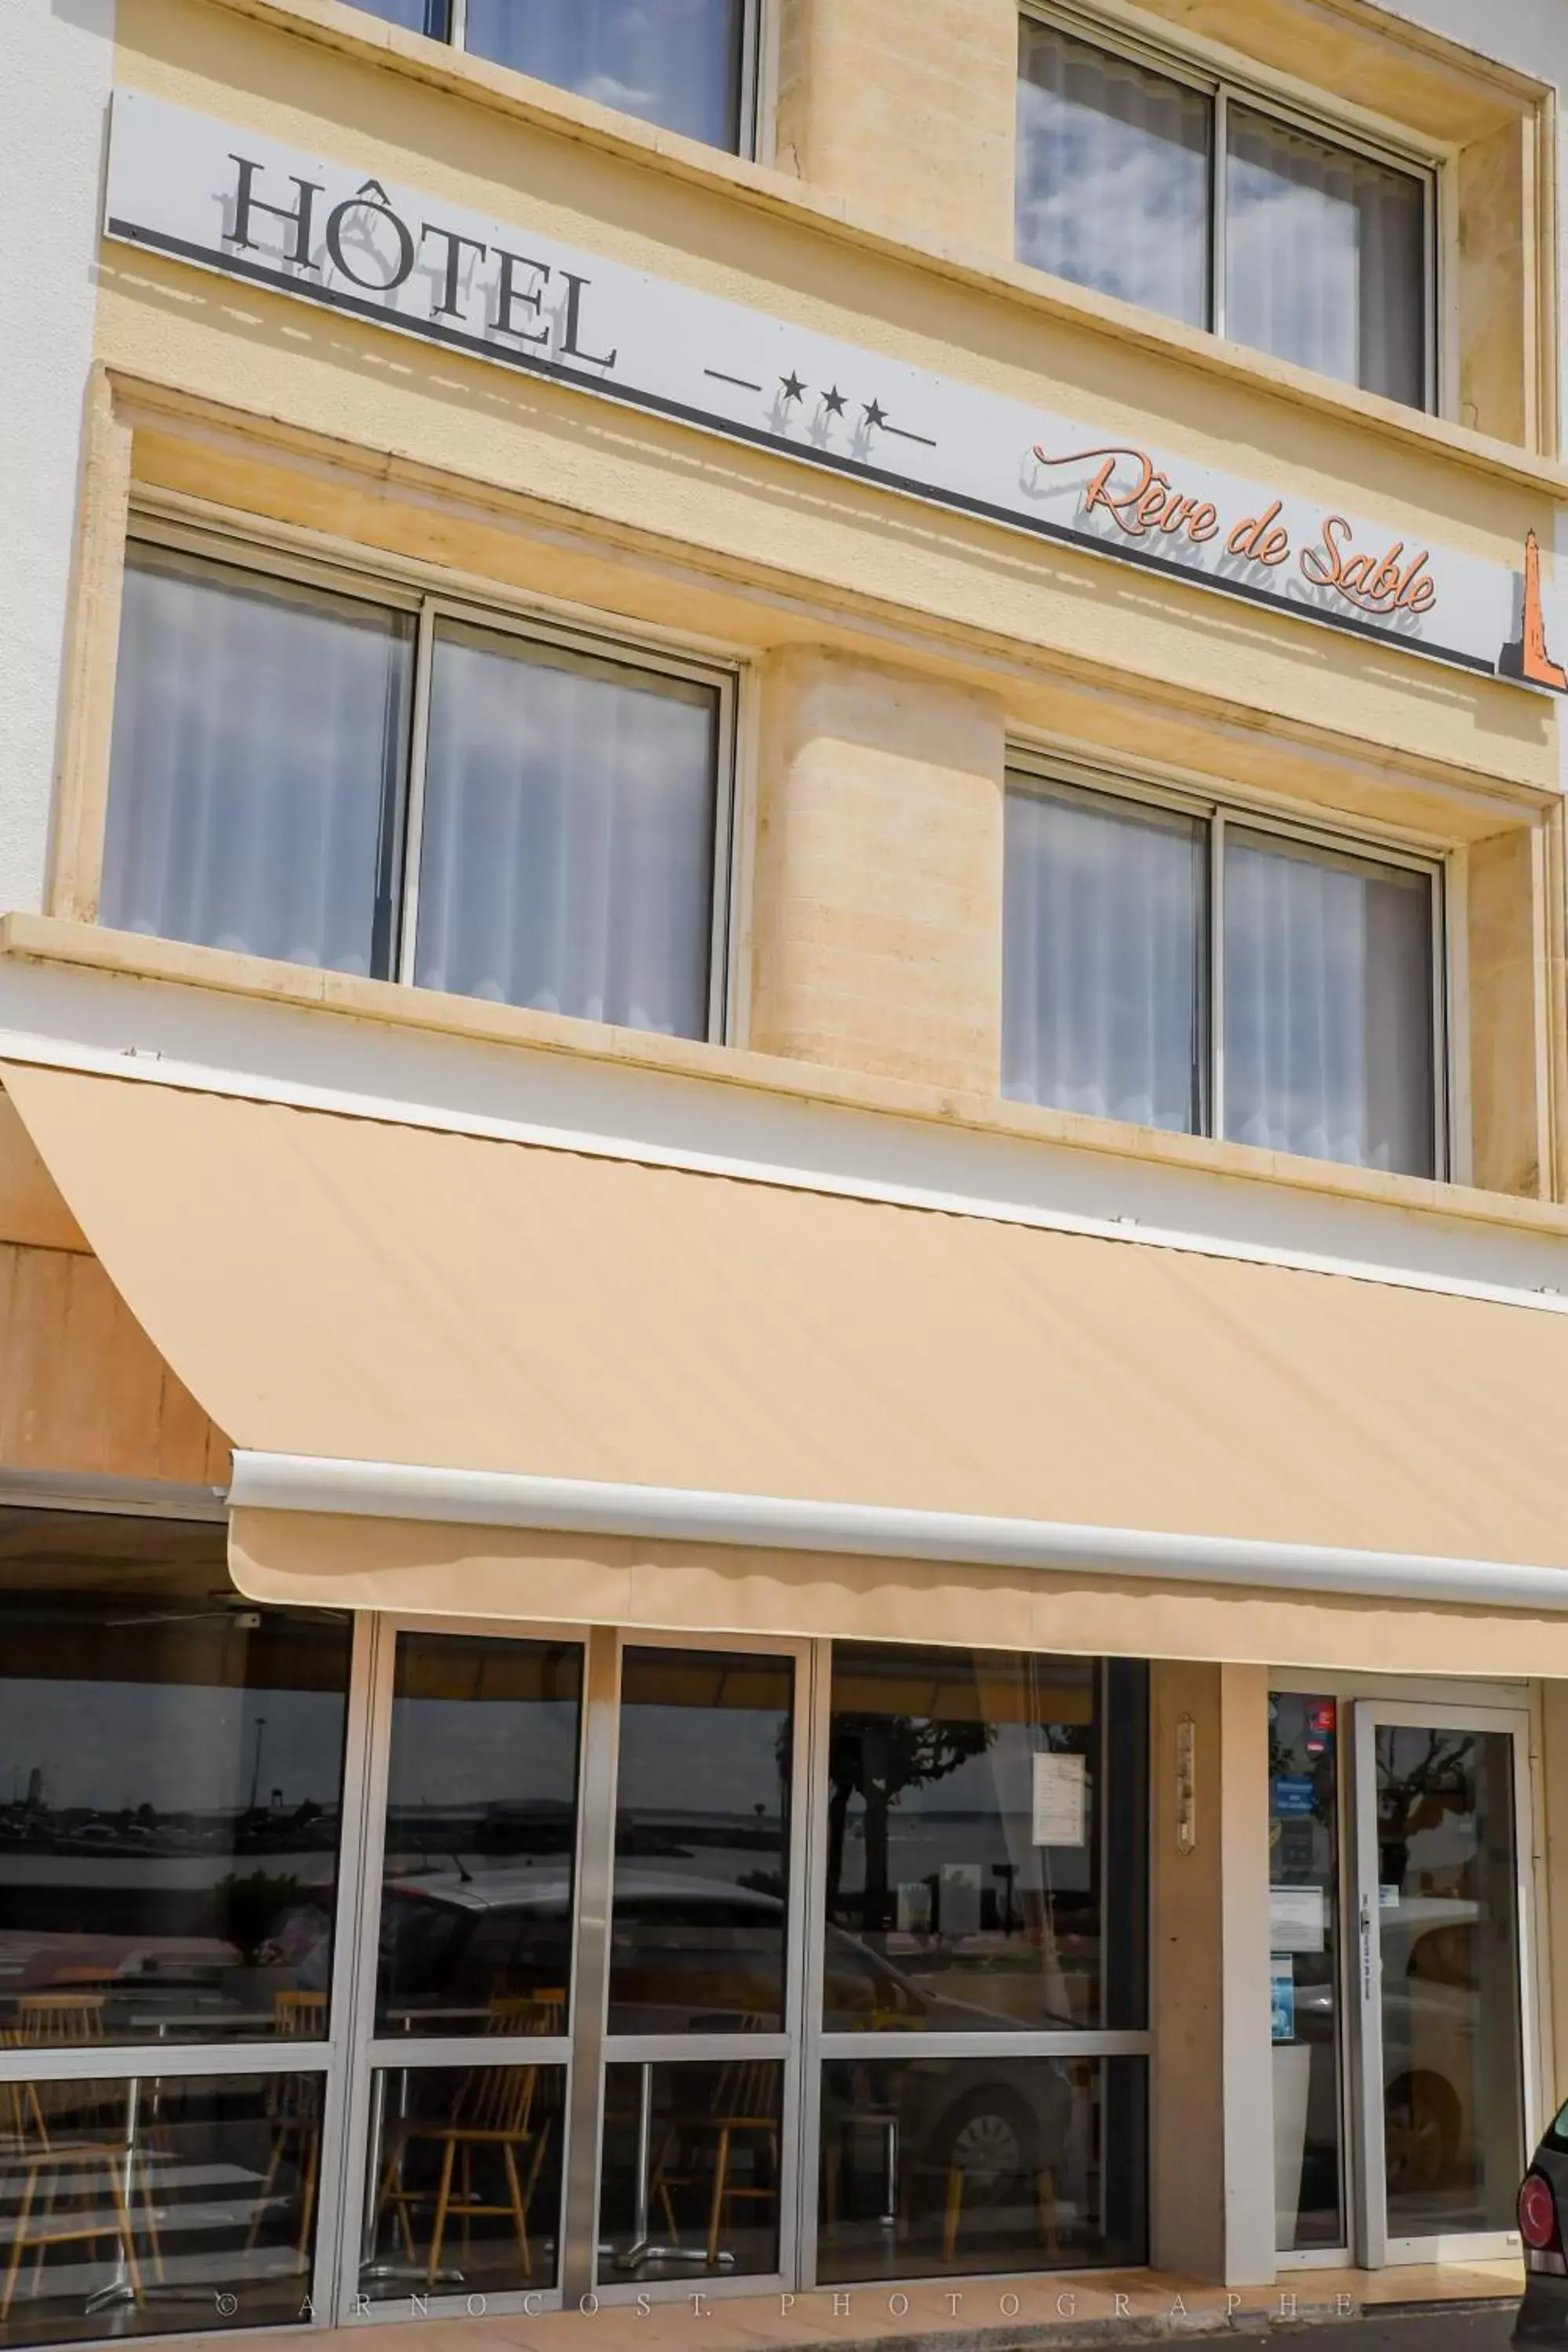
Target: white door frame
column 1377, row 2249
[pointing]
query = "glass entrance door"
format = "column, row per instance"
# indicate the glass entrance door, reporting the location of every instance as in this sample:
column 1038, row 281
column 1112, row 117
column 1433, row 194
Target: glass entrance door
column 697, row 2174
column 465, row 1981
column 1441, row 1836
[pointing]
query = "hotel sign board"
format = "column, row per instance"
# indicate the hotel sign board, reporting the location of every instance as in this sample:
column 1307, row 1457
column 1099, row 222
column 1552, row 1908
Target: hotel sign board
column 350, row 240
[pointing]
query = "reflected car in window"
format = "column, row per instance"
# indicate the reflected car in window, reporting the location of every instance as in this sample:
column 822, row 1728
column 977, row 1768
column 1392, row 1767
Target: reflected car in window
column 1430, row 2063
column 703, row 1955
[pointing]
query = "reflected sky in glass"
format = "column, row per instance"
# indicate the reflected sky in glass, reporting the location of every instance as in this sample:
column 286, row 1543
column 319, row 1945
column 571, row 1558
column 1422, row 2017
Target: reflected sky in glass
column 674, row 62
column 1114, row 171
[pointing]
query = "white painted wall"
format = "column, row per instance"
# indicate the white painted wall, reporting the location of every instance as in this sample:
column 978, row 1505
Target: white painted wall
column 58, row 59
column 208, row 1038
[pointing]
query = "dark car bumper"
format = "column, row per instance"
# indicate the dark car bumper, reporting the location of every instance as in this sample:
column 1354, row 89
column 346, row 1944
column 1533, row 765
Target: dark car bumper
column 1543, row 2314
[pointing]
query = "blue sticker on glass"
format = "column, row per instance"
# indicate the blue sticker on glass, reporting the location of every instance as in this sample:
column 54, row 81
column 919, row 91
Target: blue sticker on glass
column 1282, row 1997
column 1291, row 1797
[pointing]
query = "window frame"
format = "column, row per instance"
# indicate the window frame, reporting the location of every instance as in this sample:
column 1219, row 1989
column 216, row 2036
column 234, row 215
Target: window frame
column 1223, row 87
column 148, row 2063
column 428, row 601
column 1034, row 772
column 822, row 2046
column 749, row 94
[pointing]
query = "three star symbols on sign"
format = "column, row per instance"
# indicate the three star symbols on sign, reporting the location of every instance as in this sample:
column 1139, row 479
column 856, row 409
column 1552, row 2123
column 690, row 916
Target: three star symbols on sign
column 834, row 402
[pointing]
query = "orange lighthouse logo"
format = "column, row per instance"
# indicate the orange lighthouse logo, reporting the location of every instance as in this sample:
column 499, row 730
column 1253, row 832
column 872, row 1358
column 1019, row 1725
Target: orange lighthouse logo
column 1529, row 657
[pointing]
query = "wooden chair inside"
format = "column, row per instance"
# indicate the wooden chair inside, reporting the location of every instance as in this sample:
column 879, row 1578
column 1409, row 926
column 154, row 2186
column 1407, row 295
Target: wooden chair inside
column 63, row 2187
column 298, row 2016
column 294, row 2112
column 54, row 2018
column 743, row 2114
column 497, row 2113
column 1045, row 2187
column 542, row 2013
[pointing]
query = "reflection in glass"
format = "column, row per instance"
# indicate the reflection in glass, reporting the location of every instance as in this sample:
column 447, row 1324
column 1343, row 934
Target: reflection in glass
column 1448, row 1917
column 1326, row 257
column 690, row 2179
column 674, row 62
column 171, row 1773
column 1103, row 928
column 973, row 1796
column 1304, row 1871
column 466, row 2162
column 429, row 16
column 1112, row 174
column 129, row 2207
column 701, row 1879
column 1329, row 1043
column 566, row 855
column 954, row 2165
column 481, row 1832
column 260, row 740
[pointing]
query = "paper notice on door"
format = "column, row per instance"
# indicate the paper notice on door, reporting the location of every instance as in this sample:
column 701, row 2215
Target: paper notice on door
column 1061, row 1801
column 1298, row 1918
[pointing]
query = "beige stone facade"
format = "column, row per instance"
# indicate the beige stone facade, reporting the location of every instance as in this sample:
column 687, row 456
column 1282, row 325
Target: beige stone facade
column 888, row 660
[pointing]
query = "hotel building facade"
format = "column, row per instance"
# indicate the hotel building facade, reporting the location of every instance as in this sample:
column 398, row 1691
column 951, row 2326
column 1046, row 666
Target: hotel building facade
column 783, row 1152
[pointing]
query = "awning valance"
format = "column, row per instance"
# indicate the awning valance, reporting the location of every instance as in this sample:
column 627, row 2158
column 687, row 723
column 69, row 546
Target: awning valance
column 496, row 1379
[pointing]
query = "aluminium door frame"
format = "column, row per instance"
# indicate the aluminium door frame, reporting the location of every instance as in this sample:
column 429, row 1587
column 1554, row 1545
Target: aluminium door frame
column 360, row 2053
column 819, row 2047
column 673, row 2049
column 1376, row 2248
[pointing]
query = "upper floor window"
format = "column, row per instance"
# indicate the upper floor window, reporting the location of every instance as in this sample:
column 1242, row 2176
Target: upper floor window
column 687, row 64
column 1197, row 971
column 406, row 791
column 1180, row 195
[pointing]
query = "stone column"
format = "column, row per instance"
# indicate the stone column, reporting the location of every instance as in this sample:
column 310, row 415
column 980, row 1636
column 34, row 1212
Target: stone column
column 1212, row 2115
column 906, row 112
column 877, row 902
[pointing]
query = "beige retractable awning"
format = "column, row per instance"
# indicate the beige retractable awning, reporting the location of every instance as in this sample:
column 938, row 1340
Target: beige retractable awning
column 545, row 1385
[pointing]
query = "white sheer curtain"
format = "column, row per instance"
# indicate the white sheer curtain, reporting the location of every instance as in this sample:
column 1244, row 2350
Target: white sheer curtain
column 260, row 735
column 1112, row 174
column 1103, row 932
column 675, row 62
column 567, row 855
column 1328, row 1006
column 1325, row 258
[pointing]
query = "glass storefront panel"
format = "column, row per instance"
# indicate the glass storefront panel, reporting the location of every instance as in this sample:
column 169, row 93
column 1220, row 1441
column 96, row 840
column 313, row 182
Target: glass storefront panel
column 150, row 2208
column 171, row 1783
column 973, row 1799
column 948, row 2166
column 1447, row 1930
column 171, row 1797
column 466, row 2163
column 1307, row 2005
column 700, row 1913
column 690, row 2180
column 481, row 1834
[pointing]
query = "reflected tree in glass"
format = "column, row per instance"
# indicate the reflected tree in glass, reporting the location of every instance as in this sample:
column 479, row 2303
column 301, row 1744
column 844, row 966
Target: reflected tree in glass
column 879, row 1758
